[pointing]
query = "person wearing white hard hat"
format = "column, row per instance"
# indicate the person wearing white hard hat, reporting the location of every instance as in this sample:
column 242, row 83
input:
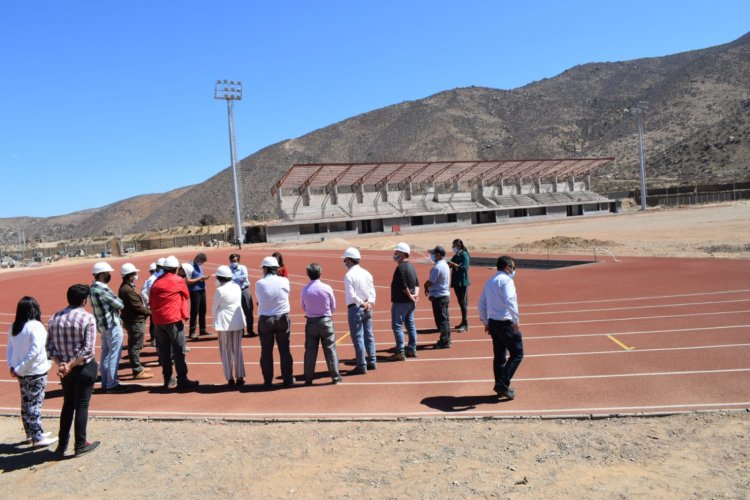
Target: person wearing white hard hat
column 155, row 270
column 107, row 307
column 272, row 292
column 229, row 322
column 169, row 310
column 134, row 315
column 404, row 297
column 359, row 292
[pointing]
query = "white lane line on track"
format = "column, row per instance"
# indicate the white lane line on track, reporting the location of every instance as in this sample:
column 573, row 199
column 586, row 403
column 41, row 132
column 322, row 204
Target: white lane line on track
column 630, row 308
column 516, row 379
column 646, row 297
column 525, row 338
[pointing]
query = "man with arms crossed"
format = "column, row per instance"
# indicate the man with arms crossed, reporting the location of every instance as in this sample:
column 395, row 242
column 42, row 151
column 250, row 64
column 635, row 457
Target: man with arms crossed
column 404, row 296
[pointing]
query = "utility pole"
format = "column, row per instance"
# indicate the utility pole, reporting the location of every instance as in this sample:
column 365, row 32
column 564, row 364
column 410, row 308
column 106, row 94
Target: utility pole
column 232, row 91
column 639, row 110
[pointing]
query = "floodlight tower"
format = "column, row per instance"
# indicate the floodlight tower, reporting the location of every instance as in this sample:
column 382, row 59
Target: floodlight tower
column 639, row 110
column 231, row 91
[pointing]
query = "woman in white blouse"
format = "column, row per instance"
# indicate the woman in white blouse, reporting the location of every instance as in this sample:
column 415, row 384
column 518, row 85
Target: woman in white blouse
column 229, row 323
column 27, row 361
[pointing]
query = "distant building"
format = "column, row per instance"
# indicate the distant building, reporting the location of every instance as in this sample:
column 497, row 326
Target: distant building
column 321, row 200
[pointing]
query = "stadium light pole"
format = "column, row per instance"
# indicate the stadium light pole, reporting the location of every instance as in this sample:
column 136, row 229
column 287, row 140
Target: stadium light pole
column 231, row 91
column 639, row 110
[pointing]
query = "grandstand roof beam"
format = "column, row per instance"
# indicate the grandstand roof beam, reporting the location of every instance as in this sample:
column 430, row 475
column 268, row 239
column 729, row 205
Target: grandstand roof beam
column 384, row 181
column 309, row 180
column 414, row 174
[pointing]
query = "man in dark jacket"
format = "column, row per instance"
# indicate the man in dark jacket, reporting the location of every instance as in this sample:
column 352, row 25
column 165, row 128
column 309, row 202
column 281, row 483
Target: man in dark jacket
column 134, row 315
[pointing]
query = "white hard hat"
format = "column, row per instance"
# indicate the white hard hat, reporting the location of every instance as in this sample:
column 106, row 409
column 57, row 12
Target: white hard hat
column 403, row 248
column 128, row 268
column 152, row 266
column 352, row 253
column 188, row 268
column 101, row 267
column 171, row 262
column 224, row 272
column 160, row 261
column 269, row 262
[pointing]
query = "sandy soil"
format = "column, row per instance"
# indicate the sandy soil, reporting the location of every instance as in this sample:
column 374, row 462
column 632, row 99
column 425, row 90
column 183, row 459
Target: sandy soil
column 681, row 456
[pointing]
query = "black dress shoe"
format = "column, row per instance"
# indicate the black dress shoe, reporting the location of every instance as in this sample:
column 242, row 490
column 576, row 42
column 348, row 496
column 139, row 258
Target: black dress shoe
column 441, row 344
column 372, row 366
column 505, row 392
column 360, row 370
column 187, row 384
column 87, row 448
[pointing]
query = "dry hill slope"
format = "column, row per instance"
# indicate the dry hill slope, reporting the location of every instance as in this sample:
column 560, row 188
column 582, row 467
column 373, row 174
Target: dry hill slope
column 697, row 128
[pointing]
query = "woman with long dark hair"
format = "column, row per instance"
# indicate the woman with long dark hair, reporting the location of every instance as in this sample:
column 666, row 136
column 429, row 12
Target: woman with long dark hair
column 283, row 272
column 460, row 280
column 27, row 361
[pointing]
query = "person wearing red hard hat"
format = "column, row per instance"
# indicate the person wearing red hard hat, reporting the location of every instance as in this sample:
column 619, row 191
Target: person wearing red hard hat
column 134, row 315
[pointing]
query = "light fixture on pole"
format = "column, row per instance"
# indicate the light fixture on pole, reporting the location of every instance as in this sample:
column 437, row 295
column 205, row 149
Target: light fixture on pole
column 639, row 110
column 231, row 91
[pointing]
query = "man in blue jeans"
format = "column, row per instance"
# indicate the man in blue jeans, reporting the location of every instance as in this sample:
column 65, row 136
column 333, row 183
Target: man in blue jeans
column 107, row 307
column 498, row 310
column 359, row 292
column 404, row 296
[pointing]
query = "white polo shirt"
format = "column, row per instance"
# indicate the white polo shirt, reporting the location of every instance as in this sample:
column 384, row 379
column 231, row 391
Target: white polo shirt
column 358, row 286
column 272, row 292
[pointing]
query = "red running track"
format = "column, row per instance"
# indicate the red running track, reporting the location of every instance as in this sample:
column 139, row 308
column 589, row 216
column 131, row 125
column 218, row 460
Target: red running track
column 632, row 336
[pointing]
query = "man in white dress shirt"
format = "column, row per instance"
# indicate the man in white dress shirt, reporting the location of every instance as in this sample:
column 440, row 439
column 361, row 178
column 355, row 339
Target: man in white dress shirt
column 272, row 292
column 360, row 298
column 498, row 310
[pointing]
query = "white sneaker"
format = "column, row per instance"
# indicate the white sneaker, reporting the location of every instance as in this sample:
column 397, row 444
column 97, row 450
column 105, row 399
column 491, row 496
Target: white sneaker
column 45, row 441
column 44, row 435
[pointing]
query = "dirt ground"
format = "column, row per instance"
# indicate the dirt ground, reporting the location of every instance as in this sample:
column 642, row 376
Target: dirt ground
column 697, row 455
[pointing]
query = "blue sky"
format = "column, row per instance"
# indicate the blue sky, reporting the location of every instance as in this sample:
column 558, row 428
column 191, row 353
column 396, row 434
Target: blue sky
column 101, row 101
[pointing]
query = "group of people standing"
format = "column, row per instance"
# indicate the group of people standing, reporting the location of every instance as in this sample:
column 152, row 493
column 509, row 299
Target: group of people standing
column 175, row 293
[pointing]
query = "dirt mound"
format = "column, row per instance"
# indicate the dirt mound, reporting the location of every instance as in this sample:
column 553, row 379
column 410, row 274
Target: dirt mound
column 563, row 242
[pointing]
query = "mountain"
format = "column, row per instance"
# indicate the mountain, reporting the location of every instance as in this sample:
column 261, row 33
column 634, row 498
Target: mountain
column 696, row 130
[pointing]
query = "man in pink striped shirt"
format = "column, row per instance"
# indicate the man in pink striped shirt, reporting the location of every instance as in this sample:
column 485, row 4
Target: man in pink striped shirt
column 319, row 305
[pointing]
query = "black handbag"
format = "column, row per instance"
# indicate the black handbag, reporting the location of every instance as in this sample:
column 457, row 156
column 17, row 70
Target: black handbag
column 89, row 372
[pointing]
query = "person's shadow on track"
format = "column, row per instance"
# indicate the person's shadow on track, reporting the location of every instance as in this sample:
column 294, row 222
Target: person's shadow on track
column 453, row 404
column 16, row 456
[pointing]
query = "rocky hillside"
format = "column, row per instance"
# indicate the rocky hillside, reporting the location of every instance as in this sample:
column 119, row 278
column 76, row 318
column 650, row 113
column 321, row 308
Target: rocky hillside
column 696, row 130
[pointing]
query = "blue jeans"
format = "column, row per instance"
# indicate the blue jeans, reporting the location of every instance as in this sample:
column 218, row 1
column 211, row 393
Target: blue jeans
column 402, row 313
column 360, row 327
column 111, row 346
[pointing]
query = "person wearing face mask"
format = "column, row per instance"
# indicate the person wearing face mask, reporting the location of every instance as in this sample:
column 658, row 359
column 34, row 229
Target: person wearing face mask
column 404, row 297
column 134, row 315
column 107, row 307
column 155, row 270
column 498, row 310
column 437, row 288
column 459, row 265
column 229, row 321
column 242, row 279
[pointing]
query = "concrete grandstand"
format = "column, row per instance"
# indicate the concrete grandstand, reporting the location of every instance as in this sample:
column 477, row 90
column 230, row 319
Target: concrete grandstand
column 321, row 200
